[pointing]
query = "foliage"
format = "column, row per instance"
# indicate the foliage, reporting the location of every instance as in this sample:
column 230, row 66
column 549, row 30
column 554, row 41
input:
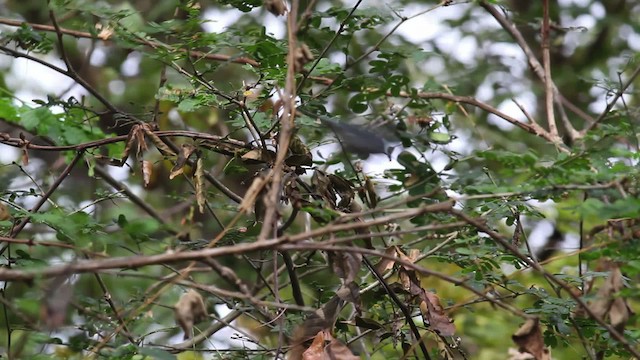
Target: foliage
column 344, row 188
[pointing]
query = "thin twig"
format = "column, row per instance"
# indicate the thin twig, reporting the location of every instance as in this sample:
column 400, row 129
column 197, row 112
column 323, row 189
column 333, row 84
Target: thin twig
column 546, row 61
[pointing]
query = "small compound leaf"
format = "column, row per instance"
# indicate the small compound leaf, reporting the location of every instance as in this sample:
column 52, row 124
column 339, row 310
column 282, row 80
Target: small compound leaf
column 529, row 339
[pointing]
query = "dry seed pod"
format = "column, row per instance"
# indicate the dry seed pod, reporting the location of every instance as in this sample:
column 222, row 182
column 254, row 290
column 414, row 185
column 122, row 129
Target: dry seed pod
column 189, row 310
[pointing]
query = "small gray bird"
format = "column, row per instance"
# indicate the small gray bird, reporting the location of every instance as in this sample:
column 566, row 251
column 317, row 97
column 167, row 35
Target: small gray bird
column 354, row 138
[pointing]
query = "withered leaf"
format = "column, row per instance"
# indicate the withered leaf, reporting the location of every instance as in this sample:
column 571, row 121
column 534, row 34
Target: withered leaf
column 607, row 303
column 344, row 188
column 131, row 138
column 434, row 313
column 334, row 350
column 147, row 172
column 258, row 156
column 199, row 184
column 25, row 156
column 529, row 339
column 432, row 310
column 155, row 139
column 322, row 185
column 189, row 310
column 385, row 263
column 186, row 152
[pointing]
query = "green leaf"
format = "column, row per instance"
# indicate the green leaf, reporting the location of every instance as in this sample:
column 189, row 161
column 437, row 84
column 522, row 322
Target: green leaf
column 37, row 119
column 156, row 354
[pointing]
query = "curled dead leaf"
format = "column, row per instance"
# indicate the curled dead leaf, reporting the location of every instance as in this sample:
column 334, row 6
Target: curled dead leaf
column 434, row 314
column 529, row 339
column 147, row 172
column 386, row 264
column 199, row 184
column 258, row 156
column 607, row 303
column 155, row 139
column 186, row 152
column 326, row 347
column 189, row 310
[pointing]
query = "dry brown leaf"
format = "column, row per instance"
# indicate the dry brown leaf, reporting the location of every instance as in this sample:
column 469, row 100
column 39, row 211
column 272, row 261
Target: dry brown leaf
column 316, row 349
column 131, row 138
column 199, row 184
column 434, row 313
column 138, row 134
column 529, row 339
column 189, row 310
column 155, row 139
column 186, row 152
column 607, row 303
column 385, row 263
column 334, row 350
column 147, row 172
column 432, row 310
column 258, row 156
column 25, row 157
